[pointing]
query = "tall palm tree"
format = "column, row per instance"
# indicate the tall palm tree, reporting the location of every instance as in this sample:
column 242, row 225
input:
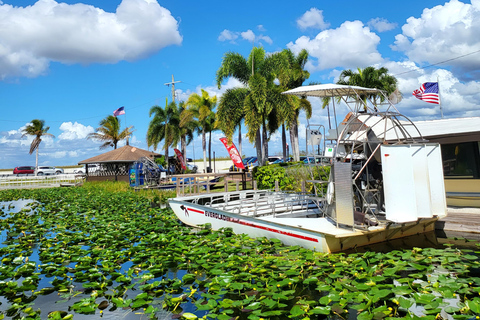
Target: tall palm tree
column 187, row 129
column 164, row 126
column 292, row 77
column 37, row 129
column 257, row 74
column 231, row 112
column 109, row 132
column 202, row 109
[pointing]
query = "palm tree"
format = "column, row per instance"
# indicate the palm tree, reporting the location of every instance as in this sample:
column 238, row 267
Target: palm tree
column 187, row 129
column 165, row 125
column 109, row 132
column 37, row 129
column 370, row 78
column 257, row 74
column 292, row 77
column 201, row 108
column 231, row 113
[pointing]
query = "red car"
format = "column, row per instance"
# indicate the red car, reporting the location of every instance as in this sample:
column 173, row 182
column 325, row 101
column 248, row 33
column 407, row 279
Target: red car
column 24, row 170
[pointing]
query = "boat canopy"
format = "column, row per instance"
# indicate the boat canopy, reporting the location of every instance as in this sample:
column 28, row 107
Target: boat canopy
column 330, row 90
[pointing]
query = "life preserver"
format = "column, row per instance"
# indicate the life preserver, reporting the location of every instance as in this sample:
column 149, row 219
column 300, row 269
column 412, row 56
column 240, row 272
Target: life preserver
column 330, row 192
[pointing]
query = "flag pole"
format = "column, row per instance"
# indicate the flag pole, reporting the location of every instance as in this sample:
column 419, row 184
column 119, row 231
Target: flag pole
column 439, row 98
column 125, row 114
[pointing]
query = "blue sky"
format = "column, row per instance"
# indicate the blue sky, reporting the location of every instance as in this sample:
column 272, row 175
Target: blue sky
column 73, row 63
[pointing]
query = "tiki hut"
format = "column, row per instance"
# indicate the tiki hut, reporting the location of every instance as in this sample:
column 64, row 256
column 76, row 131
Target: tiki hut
column 114, row 165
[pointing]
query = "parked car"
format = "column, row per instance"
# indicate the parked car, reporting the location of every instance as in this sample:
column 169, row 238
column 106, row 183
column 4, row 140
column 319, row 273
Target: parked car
column 45, row 170
column 273, row 159
column 24, row 170
column 193, row 168
column 245, row 163
column 92, row 167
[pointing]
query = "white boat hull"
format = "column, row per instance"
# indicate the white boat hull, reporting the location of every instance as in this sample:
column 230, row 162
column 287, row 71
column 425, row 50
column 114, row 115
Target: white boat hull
column 318, row 234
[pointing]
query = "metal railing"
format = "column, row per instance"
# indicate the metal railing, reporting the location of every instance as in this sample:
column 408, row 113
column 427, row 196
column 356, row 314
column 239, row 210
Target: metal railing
column 27, row 181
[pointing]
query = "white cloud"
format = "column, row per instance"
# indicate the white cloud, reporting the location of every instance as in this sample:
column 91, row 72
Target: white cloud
column 313, row 18
column 442, row 33
column 248, row 35
column 329, row 48
column 33, row 36
column 227, row 35
column 261, row 28
column 73, row 131
column 212, row 90
column 381, row 24
column 266, row 39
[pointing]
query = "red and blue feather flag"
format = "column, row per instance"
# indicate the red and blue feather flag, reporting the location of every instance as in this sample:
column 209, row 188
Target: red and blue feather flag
column 119, row 111
column 428, row 92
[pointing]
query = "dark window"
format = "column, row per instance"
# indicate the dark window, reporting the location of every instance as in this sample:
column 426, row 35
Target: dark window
column 461, row 160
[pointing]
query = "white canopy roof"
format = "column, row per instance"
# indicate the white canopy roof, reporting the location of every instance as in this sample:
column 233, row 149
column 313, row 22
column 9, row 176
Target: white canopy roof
column 329, row 90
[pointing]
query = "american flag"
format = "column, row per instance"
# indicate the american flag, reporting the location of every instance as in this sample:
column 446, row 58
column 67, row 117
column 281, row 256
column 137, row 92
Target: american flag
column 119, row 111
column 428, row 92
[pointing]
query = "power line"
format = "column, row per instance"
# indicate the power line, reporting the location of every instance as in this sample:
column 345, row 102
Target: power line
column 436, row 64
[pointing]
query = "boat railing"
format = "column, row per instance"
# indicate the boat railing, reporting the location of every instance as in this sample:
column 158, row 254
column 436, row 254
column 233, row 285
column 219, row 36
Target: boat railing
column 265, row 202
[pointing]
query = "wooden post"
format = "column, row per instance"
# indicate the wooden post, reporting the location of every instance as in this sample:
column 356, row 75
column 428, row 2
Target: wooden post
column 237, row 184
column 254, row 184
column 225, row 183
column 303, row 186
column 277, row 188
column 178, row 186
column 195, row 185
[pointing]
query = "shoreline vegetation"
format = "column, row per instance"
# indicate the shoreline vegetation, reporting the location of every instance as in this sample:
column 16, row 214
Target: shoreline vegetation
column 106, row 250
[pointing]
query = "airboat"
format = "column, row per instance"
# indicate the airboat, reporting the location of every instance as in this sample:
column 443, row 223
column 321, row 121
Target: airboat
column 372, row 182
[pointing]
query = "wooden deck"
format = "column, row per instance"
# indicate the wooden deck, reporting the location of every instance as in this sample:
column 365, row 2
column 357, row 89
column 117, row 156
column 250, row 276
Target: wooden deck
column 460, row 220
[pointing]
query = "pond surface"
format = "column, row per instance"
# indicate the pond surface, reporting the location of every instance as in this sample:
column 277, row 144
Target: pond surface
column 91, row 254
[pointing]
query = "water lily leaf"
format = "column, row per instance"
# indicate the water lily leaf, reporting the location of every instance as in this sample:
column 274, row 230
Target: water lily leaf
column 474, row 306
column 297, row 311
column 405, row 303
column 365, row 315
column 402, row 290
column 56, row 315
column 321, row 310
column 423, row 298
column 189, row 316
column 451, row 309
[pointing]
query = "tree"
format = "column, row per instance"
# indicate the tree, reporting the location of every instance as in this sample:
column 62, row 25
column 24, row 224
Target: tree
column 164, row 126
column 201, row 108
column 187, row 129
column 231, row 113
column 109, row 132
column 37, row 129
column 257, row 74
column 292, row 77
column 370, row 78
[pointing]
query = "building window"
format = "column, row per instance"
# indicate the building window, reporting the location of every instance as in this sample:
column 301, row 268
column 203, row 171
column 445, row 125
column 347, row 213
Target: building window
column 461, row 160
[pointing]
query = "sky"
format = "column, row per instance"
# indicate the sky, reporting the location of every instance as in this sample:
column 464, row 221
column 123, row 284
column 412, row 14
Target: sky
column 73, row 63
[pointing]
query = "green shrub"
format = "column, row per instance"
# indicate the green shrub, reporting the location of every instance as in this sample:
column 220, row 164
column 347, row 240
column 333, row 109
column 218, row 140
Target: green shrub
column 267, row 175
column 290, row 176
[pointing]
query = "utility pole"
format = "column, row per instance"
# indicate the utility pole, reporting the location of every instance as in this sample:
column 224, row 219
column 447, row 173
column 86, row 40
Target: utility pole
column 173, row 87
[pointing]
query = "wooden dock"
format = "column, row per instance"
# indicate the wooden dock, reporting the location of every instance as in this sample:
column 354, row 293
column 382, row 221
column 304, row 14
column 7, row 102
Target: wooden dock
column 460, row 220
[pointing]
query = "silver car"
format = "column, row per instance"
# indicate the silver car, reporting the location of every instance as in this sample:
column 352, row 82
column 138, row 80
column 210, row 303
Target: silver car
column 45, row 170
